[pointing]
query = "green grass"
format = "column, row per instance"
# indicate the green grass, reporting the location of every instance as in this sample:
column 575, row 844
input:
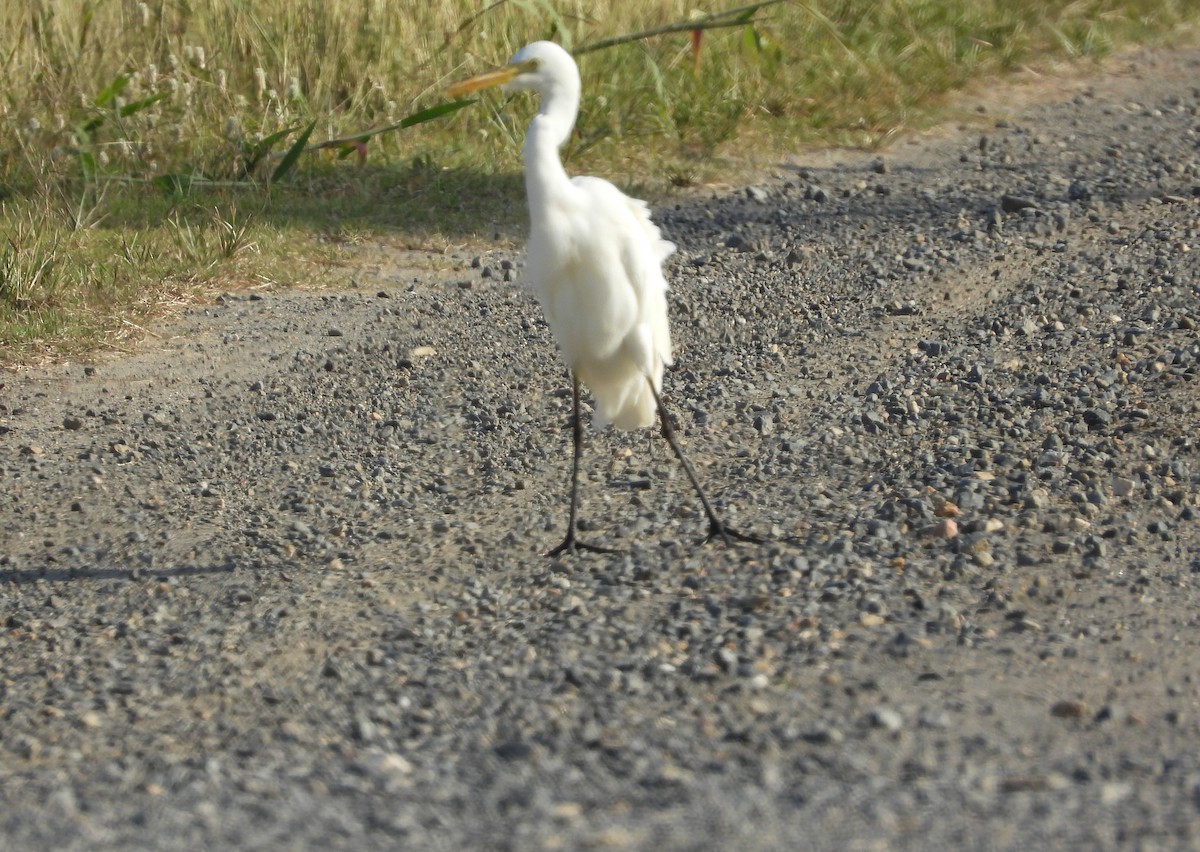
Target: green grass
column 155, row 151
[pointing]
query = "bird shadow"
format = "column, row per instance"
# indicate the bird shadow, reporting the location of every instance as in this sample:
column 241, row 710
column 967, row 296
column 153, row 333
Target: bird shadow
column 63, row 574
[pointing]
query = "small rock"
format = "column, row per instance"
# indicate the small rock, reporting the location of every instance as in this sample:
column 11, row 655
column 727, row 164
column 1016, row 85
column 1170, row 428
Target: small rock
column 1114, row 792
column 387, row 763
column 889, row 720
column 1097, row 419
column 364, row 729
column 514, row 750
column 1037, row 498
column 1016, row 203
column 945, row 528
column 1123, row 486
column 1075, row 709
column 947, row 510
column 822, row 734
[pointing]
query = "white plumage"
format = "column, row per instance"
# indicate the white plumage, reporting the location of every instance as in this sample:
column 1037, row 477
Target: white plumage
column 594, row 258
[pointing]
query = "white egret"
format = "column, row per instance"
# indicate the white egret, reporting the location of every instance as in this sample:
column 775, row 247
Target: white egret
column 594, row 259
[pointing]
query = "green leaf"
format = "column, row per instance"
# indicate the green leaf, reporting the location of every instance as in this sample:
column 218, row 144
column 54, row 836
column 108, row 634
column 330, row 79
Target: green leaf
column 750, row 40
column 345, row 144
column 91, row 124
column 429, row 114
column 112, row 90
column 138, row 106
column 262, row 147
column 747, row 14
column 87, row 163
column 266, row 142
column 293, row 154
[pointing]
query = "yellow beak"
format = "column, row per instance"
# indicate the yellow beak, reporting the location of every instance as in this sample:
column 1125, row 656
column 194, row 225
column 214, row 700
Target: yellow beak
column 488, row 79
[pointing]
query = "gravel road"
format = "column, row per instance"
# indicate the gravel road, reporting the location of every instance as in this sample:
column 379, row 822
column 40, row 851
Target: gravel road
column 276, row 580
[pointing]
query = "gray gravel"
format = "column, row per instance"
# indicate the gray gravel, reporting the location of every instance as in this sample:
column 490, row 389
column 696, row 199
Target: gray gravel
column 276, row 581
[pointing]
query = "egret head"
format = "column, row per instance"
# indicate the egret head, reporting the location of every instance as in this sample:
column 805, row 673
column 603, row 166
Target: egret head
column 542, row 66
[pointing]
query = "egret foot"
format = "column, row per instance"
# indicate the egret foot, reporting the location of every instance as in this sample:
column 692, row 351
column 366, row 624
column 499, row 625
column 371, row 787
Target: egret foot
column 570, row 544
column 727, row 534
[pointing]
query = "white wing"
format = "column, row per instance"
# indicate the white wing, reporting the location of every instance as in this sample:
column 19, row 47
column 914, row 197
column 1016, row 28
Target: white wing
column 596, row 266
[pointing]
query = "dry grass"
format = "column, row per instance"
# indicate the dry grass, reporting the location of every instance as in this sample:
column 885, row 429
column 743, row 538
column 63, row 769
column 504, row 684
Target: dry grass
column 137, row 155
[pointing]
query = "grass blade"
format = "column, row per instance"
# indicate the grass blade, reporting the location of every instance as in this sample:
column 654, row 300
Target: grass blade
column 293, row 154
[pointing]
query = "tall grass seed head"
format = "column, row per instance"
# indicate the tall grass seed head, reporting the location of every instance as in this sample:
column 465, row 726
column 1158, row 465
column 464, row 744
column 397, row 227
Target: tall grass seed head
column 143, row 15
column 260, row 80
column 293, row 90
column 222, row 80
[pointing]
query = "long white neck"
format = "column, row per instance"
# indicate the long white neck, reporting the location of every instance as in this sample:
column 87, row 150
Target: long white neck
column 545, row 177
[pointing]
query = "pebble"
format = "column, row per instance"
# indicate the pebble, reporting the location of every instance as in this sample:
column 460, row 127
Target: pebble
column 1069, row 709
column 887, row 719
column 1123, row 486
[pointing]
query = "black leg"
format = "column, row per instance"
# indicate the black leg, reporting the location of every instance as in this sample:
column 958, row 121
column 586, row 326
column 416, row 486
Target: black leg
column 570, row 543
column 716, row 527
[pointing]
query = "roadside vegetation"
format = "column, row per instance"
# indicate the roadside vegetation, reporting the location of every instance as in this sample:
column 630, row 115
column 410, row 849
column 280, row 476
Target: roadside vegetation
column 152, row 152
